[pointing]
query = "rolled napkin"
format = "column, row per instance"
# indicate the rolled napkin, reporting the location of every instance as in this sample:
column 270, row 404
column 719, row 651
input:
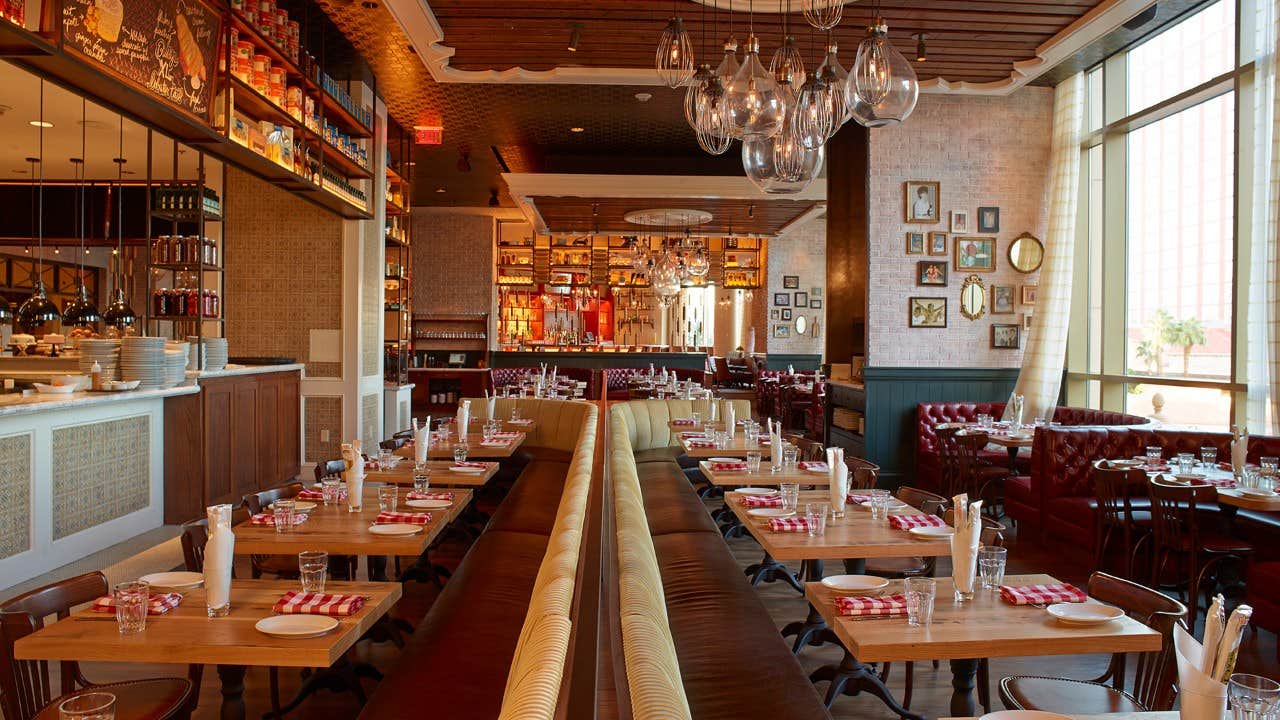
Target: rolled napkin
column 1200, row 695
column 730, row 422
column 354, row 474
column 269, row 519
column 684, row 422
column 790, row 524
column 422, row 442
column 401, row 518
column 219, row 557
column 791, row 369
column 492, row 405
column 469, row 464
column 837, row 479
column 157, row 603
column 906, row 522
column 859, row 498
column 415, row 495
column 965, row 542
column 296, row 602
column 775, row 442
column 464, row 417
column 760, row 501
column 1042, row 594
column 864, row 606
column 1239, row 449
column 728, row 466
column 814, row 465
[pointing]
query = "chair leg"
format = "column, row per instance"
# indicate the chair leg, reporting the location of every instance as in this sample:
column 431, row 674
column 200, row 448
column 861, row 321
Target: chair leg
column 984, row 684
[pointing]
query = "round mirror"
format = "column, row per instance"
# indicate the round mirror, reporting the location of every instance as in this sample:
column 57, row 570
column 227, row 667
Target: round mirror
column 973, row 298
column 802, row 324
column 1026, row 253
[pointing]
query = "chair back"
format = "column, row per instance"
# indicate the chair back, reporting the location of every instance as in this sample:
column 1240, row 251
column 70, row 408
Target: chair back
column 862, row 473
column 1115, row 489
column 968, row 445
column 1156, row 676
column 922, row 500
column 1174, row 519
column 395, row 442
column 195, row 533
column 327, row 468
column 722, row 370
column 949, row 455
column 259, row 500
column 810, row 450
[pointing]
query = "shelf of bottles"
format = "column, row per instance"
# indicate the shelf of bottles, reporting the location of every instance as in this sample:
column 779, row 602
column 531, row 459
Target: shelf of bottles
column 398, row 248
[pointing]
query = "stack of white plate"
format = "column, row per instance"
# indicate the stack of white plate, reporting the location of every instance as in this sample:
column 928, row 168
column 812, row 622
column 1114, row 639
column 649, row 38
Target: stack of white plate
column 176, row 356
column 104, row 352
column 215, row 354
column 143, row 359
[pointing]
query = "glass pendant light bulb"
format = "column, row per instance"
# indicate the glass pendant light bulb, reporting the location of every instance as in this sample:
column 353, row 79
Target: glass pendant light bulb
column 729, row 65
column 811, row 118
column 692, row 89
column 787, row 64
column 883, row 88
column 756, row 105
column 674, row 56
column 823, row 14
column 713, row 130
column 699, row 266
column 780, row 165
column 836, row 78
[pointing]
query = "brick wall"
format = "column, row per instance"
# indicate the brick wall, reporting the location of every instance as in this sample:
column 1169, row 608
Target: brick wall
column 452, row 263
column 802, row 253
column 984, row 152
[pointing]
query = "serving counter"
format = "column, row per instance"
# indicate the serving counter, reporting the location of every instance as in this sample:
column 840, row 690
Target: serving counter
column 598, row 358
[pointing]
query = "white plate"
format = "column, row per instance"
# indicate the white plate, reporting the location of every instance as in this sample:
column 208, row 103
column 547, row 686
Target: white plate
column 891, row 505
column 174, row 580
column 855, row 583
column 1085, row 613
column 300, row 506
column 54, row 389
column 757, row 491
column 395, row 529
column 1257, row 492
column 1023, row 715
column 817, row 471
column 296, row 626
column 931, row 533
column 770, row 512
column 1125, row 463
column 428, row 503
column 725, row 460
column 467, row 470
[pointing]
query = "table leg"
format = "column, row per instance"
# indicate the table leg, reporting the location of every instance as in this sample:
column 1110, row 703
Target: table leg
column 769, row 570
column 232, row 677
column 851, row 677
column 377, row 568
column 856, row 566
column 963, row 674
column 1013, row 459
column 810, row 630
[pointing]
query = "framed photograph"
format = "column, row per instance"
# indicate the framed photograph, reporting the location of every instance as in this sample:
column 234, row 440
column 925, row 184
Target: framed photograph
column 782, row 331
column 790, row 282
column 1006, row 337
column 775, row 314
column 1026, row 322
column 931, row 272
column 975, row 254
column 988, row 219
column 801, row 299
column 926, row 312
column 1029, row 294
column 815, row 304
column 959, row 221
column 1002, row 299
column 922, row 199
column 937, row 243
column 815, row 292
column 915, row 243
column 782, row 299
column 786, row 314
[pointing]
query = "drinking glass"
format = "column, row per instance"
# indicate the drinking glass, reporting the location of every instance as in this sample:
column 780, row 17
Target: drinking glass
column 486, row 431
column 991, row 562
column 1208, row 456
column 816, row 516
column 387, row 497
column 1154, row 455
column 88, row 706
column 386, row 459
column 984, row 421
column 421, row 478
column 331, row 489
column 1253, row 697
column 284, row 511
column 879, row 504
column 790, row 496
column 131, row 606
column 919, row 593
column 313, row 570
column 1186, row 463
column 459, row 453
column 697, row 419
column 1269, row 465
column 753, row 462
column 790, row 457
column 515, row 413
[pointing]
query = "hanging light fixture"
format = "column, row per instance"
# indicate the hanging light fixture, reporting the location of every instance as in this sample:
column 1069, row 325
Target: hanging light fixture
column 823, row 14
column 728, row 68
column 787, row 65
column 836, row 77
column 674, row 56
column 756, row 105
column 118, row 314
column 699, row 265
column 39, row 309
column 692, row 94
column 81, row 311
column 883, row 88
column 811, row 117
column 713, row 130
column 781, row 165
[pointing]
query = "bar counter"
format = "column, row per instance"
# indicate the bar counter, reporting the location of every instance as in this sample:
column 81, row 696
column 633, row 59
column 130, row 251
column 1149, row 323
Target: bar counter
column 598, row 358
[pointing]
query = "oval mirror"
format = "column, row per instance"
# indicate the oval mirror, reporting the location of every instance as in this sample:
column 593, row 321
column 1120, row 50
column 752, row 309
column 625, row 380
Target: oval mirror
column 973, row 298
column 1026, row 253
column 802, row 324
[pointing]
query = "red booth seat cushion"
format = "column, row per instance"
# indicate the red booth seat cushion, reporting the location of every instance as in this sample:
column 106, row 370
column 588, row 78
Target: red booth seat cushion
column 1264, row 595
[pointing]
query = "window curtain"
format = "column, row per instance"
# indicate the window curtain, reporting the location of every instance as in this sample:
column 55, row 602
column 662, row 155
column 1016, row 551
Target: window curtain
column 1263, row 363
column 1044, row 353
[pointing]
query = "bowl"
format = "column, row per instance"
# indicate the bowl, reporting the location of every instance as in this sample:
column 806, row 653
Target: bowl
column 54, row 389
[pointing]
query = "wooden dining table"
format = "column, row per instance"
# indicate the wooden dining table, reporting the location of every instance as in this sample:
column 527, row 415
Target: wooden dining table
column 766, row 477
column 985, row 627
column 737, row 448
column 441, row 475
column 186, row 635
column 475, row 448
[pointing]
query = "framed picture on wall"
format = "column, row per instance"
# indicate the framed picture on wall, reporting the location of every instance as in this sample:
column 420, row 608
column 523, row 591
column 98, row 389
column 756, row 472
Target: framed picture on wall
column 1002, row 299
column 927, row 312
column 815, row 292
column 815, row 304
column 922, row 200
column 782, row 332
column 782, row 299
column 988, row 219
column 786, row 313
column 959, row 221
column 975, row 254
column 1006, row 337
column 790, row 282
column 931, row 272
column 1026, row 322
column 775, row 314
column 1029, row 294
column 801, row 299
column 915, row 243
column 937, row 243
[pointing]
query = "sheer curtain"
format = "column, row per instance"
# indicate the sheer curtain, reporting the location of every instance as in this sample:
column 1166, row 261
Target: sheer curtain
column 1046, row 347
column 1264, row 268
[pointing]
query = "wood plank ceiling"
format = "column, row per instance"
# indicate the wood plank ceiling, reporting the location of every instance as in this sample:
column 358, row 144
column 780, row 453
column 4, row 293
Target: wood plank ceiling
column 728, row 216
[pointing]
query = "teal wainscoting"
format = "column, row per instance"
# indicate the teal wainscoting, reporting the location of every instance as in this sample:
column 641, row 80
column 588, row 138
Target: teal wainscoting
column 780, row 361
column 894, row 392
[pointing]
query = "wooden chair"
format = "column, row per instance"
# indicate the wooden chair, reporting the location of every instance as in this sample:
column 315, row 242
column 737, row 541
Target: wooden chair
column 330, row 468
column 862, row 473
column 810, row 450
column 256, row 502
column 1154, row 683
column 979, row 478
column 1114, row 489
column 195, row 534
column 1176, row 536
column 949, row 455
column 25, row 688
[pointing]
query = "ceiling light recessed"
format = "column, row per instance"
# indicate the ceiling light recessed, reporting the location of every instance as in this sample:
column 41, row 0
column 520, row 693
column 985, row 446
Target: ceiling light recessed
column 439, row 189
column 40, row 123
column 576, row 129
column 369, row 5
column 644, row 96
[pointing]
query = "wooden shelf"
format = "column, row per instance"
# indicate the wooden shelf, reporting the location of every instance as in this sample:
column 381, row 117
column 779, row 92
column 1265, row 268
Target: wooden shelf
column 185, row 216
column 17, row 41
column 326, row 198
column 187, row 267
column 268, row 47
column 334, row 112
column 259, row 106
column 395, row 210
column 180, row 318
column 345, row 166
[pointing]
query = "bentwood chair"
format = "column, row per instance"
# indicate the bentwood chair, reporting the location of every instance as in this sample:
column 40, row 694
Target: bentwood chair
column 256, row 502
column 978, row 477
column 1114, row 489
column 1156, row 676
column 25, row 687
column 949, row 455
column 862, row 473
column 329, row 468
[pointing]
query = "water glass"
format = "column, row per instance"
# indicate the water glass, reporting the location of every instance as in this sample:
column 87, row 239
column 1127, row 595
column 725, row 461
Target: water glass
column 815, row 514
column 284, row 512
column 991, row 562
column 1208, row 456
column 985, row 421
column 1253, row 697
column 331, row 489
column 753, row 462
column 460, row 453
column 515, row 412
column 1269, row 466
column 1186, row 463
column 313, row 570
column 387, row 497
column 790, row 458
column 879, row 504
column 421, row 478
column 790, row 496
column 386, row 460
column 1155, row 455
column 88, row 706
column 132, row 599
column 697, row 419
column 919, row 592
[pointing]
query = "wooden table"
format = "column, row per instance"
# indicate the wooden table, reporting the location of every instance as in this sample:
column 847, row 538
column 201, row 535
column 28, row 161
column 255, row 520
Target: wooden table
column 999, row 436
column 766, row 477
column 986, row 627
column 1232, row 497
column 186, row 635
column 441, row 475
column 737, row 448
column 1156, row 715
column 441, row 450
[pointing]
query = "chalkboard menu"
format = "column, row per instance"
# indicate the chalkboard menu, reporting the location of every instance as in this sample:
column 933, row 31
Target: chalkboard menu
column 165, row 47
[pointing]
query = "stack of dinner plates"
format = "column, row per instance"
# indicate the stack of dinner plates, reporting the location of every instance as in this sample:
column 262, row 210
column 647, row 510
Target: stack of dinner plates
column 104, row 352
column 176, row 356
column 215, row 354
column 143, row 359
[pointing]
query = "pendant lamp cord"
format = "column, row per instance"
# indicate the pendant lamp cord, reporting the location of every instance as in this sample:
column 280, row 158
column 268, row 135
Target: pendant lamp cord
column 120, row 211
column 40, row 204
column 84, row 109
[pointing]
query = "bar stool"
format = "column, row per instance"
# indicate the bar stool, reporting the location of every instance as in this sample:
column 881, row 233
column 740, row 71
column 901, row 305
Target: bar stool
column 1114, row 489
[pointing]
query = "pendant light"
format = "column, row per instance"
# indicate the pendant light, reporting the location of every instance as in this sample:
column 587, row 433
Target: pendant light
column 39, row 309
column 81, row 311
column 883, row 87
column 674, row 56
column 780, row 165
column 756, row 106
column 692, row 91
column 787, row 65
column 836, row 78
column 699, row 265
column 811, row 118
column 118, row 314
column 728, row 68
column 823, row 14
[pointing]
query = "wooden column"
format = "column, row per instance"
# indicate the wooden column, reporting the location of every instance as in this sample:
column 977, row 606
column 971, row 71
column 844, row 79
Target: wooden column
column 848, row 196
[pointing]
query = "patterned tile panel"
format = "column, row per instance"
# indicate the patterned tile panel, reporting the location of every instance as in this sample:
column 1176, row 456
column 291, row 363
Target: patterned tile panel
column 371, row 298
column 322, row 413
column 15, row 488
column 369, row 422
column 101, row 471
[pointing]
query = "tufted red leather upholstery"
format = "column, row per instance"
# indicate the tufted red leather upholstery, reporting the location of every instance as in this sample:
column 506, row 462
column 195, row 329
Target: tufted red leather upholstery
column 1263, row 586
column 615, row 381
column 507, row 375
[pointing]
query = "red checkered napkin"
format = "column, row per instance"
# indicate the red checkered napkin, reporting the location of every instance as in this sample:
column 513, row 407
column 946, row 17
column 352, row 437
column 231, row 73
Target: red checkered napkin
column 700, row 443
column 319, row 494
column 470, row 464
column 728, row 466
column 864, row 606
column 296, row 602
column 1042, row 594
column 693, row 435
column 494, row 443
column 521, row 421
column 906, row 522
column 269, row 519
column 816, row 466
column 856, row 498
column 760, row 501
column 683, row 422
column 413, row 495
column 789, row 525
column 1221, row 482
column 506, row 434
column 157, row 604
column 404, row 518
